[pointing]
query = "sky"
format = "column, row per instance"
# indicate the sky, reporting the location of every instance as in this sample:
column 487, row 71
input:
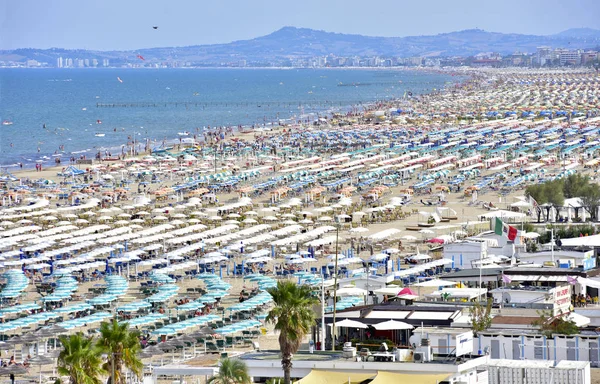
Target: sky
column 127, row 24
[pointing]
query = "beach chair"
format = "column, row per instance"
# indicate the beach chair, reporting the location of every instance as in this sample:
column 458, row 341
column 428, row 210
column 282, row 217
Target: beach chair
column 211, row 347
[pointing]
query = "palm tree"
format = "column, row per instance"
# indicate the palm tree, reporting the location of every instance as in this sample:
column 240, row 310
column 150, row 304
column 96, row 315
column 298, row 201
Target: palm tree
column 80, row 359
column 293, row 316
column 231, row 371
column 122, row 347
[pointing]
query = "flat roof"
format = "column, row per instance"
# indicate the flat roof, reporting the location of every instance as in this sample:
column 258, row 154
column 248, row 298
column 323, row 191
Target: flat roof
column 473, row 272
column 514, row 320
column 541, row 270
column 563, row 364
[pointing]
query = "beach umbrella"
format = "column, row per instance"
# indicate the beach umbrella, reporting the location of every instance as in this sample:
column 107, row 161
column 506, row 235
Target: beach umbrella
column 13, row 369
column 392, row 325
column 350, row 324
column 351, row 291
column 40, row 360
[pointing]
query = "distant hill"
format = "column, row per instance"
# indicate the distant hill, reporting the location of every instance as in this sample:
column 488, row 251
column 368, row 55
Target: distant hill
column 580, row 33
column 291, row 42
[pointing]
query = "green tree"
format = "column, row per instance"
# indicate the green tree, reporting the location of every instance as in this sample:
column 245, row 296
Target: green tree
column 122, row 347
column 550, row 325
column 537, row 192
column 293, row 317
column 231, row 371
column 80, row 360
column 590, row 199
column 574, row 184
column 553, row 190
column 481, row 316
column 550, row 192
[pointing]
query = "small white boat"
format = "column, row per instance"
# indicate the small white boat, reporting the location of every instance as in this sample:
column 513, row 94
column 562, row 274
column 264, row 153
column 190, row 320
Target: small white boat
column 99, row 134
column 183, row 133
column 7, row 122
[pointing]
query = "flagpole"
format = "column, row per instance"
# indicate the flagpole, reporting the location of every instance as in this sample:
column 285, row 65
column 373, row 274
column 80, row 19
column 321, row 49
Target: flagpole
column 552, row 243
column 480, row 262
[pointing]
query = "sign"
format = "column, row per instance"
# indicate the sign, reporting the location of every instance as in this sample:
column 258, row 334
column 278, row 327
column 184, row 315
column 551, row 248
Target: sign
column 464, row 343
column 589, row 261
column 562, row 299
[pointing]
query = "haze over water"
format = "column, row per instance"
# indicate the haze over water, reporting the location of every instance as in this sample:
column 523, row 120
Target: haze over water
column 65, row 101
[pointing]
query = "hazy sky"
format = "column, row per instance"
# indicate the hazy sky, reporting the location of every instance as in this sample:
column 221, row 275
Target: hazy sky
column 127, row 24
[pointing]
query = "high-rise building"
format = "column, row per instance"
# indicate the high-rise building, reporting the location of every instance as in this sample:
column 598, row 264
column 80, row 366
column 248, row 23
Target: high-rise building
column 105, row 63
column 86, row 62
column 569, row 57
column 543, row 56
column 94, row 63
column 69, row 63
column 59, row 62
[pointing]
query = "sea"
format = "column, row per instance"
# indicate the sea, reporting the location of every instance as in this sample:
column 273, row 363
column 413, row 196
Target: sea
column 75, row 112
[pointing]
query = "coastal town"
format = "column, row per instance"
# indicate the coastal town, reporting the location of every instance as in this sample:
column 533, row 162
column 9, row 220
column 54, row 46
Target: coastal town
column 543, row 57
column 449, row 237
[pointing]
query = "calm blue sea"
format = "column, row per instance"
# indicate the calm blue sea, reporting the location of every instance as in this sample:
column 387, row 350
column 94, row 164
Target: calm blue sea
column 65, row 100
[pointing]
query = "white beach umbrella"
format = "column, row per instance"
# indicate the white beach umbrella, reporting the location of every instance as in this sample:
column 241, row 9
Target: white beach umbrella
column 359, row 230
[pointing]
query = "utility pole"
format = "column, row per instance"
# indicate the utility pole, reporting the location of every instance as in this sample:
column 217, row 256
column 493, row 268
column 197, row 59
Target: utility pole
column 323, row 326
column 335, row 273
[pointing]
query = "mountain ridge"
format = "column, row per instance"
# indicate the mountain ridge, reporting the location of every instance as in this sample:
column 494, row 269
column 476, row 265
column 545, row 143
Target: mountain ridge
column 288, row 43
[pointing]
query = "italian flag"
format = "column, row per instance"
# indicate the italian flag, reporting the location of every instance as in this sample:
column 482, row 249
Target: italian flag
column 507, row 231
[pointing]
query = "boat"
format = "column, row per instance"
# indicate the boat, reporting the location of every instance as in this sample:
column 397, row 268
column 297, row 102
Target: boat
column 183, row 133
column 7, row 122
column 99, row 134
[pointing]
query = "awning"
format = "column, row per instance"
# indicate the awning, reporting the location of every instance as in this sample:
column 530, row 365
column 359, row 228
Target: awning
column 328, row 377
column 579, row 320
column 592, row 283
column 393, row 378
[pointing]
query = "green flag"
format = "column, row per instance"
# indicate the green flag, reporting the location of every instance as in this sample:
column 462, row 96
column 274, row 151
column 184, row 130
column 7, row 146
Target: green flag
column 498, row 227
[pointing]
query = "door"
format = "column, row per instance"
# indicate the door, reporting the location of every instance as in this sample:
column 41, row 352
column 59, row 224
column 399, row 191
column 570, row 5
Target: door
column 538, row 350
column 571, row 350
column 516, row 347
column 495, row 347
column 594, row 354
column 443, row 347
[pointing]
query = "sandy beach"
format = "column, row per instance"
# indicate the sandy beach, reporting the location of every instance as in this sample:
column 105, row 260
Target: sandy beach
column 409, row 180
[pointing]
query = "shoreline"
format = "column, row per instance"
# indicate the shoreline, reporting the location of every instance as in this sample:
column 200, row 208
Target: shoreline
column 364, row 106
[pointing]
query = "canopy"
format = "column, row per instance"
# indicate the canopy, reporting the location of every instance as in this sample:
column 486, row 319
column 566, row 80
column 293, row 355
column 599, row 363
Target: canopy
column 328, row 377
column 384, row 377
